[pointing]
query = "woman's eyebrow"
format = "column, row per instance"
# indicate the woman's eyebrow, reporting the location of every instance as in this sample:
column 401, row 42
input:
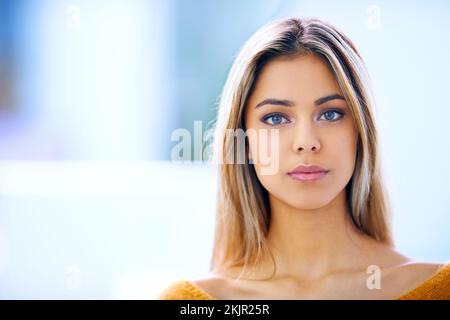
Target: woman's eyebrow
column 289, row 103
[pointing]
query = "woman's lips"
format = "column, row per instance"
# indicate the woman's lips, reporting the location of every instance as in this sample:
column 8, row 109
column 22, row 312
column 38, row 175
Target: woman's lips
column 307, row 176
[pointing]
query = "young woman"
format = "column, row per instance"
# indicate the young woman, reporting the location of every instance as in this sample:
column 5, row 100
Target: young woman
column 306, row 214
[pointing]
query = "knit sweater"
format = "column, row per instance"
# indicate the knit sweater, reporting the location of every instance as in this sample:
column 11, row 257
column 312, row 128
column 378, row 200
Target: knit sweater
column 436, row 287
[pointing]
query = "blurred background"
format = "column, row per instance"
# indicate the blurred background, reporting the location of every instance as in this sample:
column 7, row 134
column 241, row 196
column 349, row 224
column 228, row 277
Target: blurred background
column 93, row 93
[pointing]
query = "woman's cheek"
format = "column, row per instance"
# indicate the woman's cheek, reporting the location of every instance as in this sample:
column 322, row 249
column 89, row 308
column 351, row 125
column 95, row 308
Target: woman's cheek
column 350, row 143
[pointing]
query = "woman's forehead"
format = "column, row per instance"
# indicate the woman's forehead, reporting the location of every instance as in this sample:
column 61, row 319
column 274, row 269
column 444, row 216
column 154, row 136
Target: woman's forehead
column 300, row 78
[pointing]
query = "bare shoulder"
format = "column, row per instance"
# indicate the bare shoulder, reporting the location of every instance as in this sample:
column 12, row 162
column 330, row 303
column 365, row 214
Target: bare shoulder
column 417, row 269
column 399, row 274
column 222, row 285
column 398, row 265
column 410, row 275
column 213, row 284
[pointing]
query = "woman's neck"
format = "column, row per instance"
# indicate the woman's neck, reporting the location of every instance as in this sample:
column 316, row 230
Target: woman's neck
column 314, row 243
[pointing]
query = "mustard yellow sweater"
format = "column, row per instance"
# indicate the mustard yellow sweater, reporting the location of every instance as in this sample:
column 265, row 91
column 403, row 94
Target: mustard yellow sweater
column 437, row 287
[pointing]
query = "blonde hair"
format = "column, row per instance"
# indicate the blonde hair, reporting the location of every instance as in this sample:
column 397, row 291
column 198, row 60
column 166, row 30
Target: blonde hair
column 242, row 212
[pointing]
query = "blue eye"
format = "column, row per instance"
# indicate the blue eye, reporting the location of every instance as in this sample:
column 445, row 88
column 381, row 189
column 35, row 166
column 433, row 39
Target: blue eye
column 274, row 119
column 329, row 115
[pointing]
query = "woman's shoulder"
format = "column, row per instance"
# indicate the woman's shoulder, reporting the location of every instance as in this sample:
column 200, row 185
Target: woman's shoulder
column 185, row 289
column 212, row 286
column 436, row 284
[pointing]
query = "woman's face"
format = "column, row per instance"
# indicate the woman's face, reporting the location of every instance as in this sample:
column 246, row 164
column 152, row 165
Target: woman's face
column 315, row 127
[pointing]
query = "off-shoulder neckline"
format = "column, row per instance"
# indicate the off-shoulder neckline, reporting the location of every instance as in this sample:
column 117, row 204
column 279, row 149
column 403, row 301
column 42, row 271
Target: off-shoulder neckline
column 438, row 271
column 198, row 289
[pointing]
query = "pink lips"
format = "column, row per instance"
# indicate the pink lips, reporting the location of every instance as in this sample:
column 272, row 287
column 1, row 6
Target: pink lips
column 308, row 173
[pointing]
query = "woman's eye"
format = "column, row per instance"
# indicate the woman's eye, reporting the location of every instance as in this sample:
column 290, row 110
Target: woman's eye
column 274, row 119
column 330, row 115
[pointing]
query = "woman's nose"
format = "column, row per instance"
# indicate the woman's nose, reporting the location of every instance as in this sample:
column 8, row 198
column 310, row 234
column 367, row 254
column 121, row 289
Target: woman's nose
column 306, row 139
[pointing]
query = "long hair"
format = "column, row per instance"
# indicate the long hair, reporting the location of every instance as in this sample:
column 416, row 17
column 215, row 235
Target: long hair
column 243, row 212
